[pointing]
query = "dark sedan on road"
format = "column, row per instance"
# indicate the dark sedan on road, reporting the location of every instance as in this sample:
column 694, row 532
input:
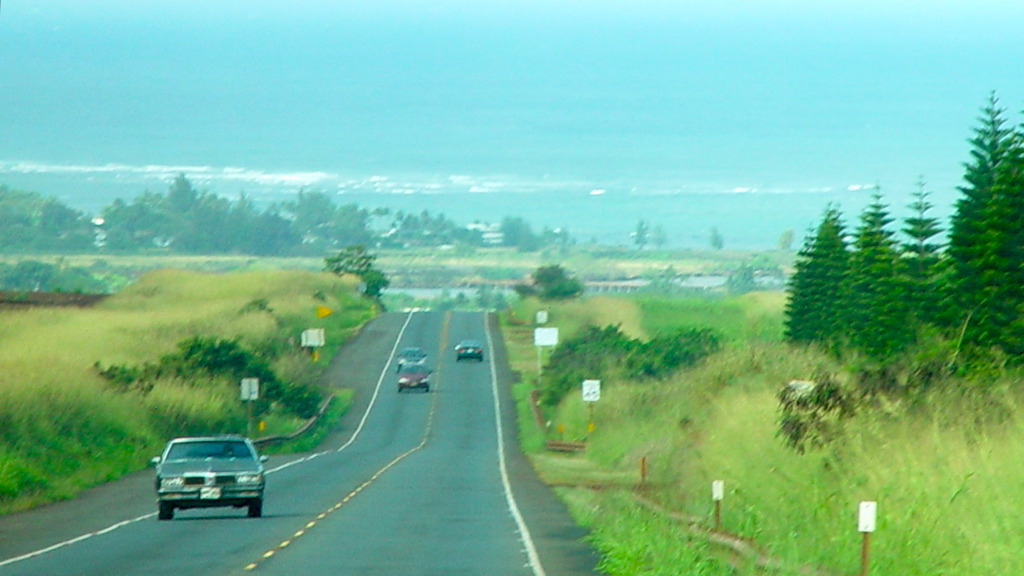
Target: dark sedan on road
column 469, row 350
column 414, row 376
column 209, row 471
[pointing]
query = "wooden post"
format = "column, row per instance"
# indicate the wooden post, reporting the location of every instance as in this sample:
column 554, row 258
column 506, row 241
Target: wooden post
column 866, row 525
column 718, row 494
column 865, row 554
column 643, row 470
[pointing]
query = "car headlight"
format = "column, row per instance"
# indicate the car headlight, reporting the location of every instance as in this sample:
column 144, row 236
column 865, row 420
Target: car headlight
column 172, row 483
column 249, row 479
column 403, row 380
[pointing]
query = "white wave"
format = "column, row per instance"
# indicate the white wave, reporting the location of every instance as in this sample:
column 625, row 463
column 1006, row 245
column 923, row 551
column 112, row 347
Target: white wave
column 168, row 172
column 266, row 181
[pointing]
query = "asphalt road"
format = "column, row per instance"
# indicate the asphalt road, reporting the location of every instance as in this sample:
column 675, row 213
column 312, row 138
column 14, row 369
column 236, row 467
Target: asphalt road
column 408, row 484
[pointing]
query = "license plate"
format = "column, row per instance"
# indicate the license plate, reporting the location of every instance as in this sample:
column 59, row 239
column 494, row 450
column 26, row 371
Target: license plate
column 209, row 493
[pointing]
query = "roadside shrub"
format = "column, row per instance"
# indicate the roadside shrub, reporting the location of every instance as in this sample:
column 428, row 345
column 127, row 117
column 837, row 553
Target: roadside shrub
column 586, row 355
column 217, row 356
column 597, row 351
column 201, row 360
column 299, row 399
column 664, row 354
column 551, row 283
column 811, row 413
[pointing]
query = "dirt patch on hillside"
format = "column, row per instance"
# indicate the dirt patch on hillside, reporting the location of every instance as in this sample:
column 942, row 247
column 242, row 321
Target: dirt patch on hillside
column 23, row 300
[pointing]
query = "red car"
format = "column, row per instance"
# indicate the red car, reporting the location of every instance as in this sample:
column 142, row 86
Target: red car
column 413, row 376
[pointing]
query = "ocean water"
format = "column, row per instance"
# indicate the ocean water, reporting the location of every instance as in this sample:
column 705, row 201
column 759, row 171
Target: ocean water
column 590, row 117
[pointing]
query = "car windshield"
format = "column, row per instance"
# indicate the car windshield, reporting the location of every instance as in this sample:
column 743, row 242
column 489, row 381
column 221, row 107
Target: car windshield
column 415, row 369
column 201, row 450
column 412, row 353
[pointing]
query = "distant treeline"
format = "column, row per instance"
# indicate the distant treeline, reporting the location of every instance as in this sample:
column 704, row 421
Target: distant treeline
column 190, row 221
column 906, row 302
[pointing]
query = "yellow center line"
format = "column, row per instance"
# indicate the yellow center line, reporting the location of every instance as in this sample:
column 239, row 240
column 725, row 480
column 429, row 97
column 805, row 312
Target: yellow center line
column 423, row 442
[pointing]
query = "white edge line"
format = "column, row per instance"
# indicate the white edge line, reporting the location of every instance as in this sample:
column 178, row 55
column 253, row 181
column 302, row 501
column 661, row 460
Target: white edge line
column 380, row 382
column 75, row 540
column 366, row 415
column 123, row 523
column 531, row 549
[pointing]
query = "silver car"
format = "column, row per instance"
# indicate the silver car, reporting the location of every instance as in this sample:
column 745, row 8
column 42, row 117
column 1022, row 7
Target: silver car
column 209, row 471
column 411, row 356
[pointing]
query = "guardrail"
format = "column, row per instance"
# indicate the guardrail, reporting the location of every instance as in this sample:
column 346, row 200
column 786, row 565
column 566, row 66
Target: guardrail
column 309, row 423
column 565, row 446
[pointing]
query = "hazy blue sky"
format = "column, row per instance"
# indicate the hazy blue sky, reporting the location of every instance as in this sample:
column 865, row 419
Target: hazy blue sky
column 634, row 95
column 997, row 14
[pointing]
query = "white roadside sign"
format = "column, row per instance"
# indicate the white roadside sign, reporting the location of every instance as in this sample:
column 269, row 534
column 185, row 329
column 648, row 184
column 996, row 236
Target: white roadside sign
column 717, row 490
column 250, row 389
column 591, row 390
column 866, row 516
column 545, row 337
column 313, row 338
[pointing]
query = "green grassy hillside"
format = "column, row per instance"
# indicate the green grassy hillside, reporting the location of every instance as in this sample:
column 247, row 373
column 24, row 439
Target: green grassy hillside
column 64, row 427
column 941, row 466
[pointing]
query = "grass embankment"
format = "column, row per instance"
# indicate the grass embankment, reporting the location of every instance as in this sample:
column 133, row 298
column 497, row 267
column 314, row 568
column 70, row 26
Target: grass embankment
column 63, row 427
column 943, row 468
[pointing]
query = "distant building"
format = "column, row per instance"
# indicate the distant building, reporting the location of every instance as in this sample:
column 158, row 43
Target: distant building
column 490, row 233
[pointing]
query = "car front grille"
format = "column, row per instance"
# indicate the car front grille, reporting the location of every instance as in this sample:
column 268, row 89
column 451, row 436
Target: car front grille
column 218, row 480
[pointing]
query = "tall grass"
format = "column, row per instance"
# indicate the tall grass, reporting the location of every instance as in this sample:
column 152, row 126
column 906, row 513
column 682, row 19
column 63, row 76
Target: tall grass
column 947, row 486
column 943, row 468
column 633, row 541
column 740, row 319
column 571, row 316
column 63, row 428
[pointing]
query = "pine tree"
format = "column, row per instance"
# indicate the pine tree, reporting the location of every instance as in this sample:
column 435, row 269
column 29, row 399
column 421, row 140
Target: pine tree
column 816, row 309
column 641, row 234
column 921, row 257
column 968, row 249
column 986, row 250
column 880, row 320
column 1001, row 272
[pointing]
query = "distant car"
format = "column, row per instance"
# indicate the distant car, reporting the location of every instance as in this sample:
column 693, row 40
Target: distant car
column 207, row 472
column 469, row 349
column 411, row 356
column 413, row 376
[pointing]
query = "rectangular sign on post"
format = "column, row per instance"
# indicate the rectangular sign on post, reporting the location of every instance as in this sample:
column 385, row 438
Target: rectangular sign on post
column 542, row 317
column 717, row 490
column 250, row 389
column 545, row 337
column 591, row 390
column 866, row 517
column 313, row 338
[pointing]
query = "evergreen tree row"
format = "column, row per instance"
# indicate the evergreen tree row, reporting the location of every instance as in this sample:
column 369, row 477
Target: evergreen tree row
column 878, row 293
